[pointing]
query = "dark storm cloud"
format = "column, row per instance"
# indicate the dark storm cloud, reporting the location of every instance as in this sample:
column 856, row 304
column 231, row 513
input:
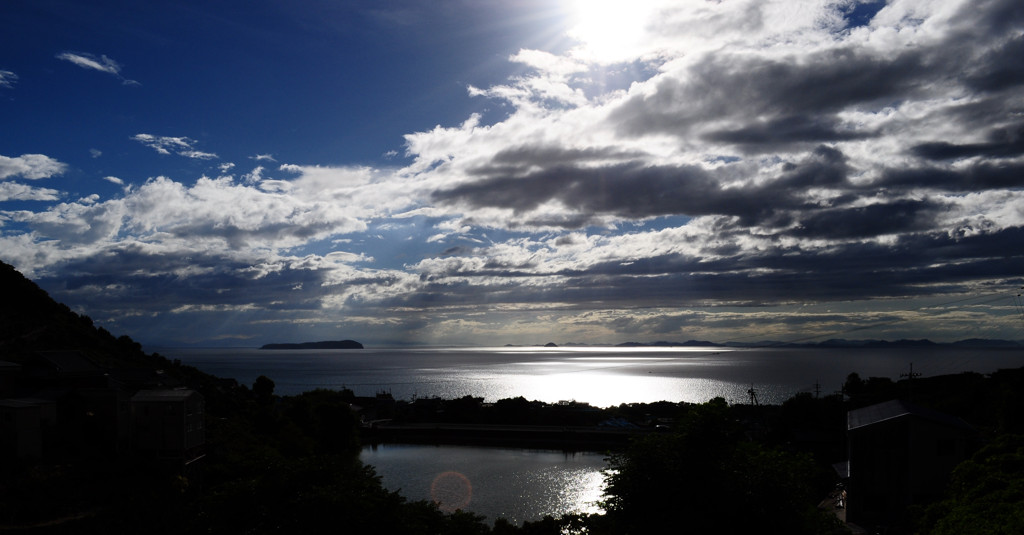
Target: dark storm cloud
column 993, row 16
column 914, row 264
column 129, row 286
column 978, row 177
column 525, row 156
column 802, row 95
column 780, row 133
column 1002, row 143
column 823, row 167
column 133, row 278
column 1000, row 68
column 634, row 190
column 868, row 221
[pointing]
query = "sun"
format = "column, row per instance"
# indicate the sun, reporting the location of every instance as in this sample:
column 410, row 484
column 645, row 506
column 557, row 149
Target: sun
column 610, row 31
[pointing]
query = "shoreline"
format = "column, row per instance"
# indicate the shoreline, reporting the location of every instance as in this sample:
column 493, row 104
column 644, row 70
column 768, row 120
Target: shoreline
column 565, row 438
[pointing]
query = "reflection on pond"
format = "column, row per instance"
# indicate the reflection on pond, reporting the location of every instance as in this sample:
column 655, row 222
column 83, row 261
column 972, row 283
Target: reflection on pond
column 514, row 484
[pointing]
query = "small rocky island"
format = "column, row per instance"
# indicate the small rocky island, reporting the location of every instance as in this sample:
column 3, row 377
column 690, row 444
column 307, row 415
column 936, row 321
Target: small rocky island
column 330, row 344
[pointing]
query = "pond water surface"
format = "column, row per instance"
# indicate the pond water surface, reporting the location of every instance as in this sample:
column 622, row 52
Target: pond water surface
column 514, row 484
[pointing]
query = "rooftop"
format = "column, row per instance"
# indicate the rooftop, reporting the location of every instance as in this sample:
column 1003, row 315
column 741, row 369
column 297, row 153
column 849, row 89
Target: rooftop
column 898, row 408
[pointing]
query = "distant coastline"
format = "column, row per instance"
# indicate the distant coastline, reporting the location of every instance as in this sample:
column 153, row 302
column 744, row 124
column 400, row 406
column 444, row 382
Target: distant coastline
column 330, row 344
column 832, row 343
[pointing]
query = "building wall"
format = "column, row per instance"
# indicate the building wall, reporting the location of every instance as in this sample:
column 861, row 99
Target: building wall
column 168, row 427
column 899, row 462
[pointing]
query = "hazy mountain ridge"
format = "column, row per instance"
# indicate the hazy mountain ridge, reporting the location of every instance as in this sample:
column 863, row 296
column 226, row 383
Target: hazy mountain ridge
column 831, row 343
column 327, row 344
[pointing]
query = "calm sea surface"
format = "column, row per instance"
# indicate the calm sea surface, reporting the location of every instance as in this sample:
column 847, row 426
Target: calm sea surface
column 527, row 484
column 601, row 376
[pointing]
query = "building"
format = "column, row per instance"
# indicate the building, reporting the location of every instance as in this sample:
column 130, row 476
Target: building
column 168, row 423
column 900, row 455
column 26, row 427
column 60, row 405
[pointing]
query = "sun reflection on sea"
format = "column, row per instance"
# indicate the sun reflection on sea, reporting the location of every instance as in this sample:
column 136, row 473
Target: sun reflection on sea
column 604, row 388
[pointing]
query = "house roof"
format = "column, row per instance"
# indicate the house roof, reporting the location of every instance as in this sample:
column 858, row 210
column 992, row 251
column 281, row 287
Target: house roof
column 69, row 362
column 898, row 408
column 179, row 394
column 20, row 403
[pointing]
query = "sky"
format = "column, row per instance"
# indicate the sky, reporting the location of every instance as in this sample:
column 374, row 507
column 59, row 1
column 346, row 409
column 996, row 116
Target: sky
column 485, row 172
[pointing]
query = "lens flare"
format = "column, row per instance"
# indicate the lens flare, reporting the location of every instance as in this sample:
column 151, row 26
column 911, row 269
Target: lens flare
column 451, row 491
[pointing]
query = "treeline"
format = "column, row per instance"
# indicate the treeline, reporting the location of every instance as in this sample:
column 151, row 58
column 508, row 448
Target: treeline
column 289, row 464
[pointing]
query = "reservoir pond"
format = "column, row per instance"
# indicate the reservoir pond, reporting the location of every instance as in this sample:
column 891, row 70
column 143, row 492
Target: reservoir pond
column 515, row 484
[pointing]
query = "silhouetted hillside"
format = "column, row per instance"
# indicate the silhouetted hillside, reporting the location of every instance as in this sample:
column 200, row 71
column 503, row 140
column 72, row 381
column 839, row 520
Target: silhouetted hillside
column 31, row 321
column 268, row 464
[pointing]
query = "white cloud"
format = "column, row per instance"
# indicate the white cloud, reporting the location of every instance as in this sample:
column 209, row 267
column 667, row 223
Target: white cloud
column 255, row 176
column 30, row 166
column 549, row 63
column 7, row 79
column 90, row 61
column 181, row 146
column 11, row 191
column 114, row 180
column 211, row 215
column 95, row 153
column 198, row 155
column 100, row 63
column 164, row 144
column 264, row 158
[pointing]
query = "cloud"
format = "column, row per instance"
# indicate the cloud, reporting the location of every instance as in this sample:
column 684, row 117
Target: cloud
column 181, row 146
column 100, row 63
column 858, row 145
column 212, row 214
column 254, row 176
column 10, row 191
column 7, row 79
column 752, row 160
column 30, row 166
column 114, row 180
column 198, row 155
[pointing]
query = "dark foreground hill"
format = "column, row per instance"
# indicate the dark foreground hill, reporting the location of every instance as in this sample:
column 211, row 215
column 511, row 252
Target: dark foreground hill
column 31, row 321
column 69, row 461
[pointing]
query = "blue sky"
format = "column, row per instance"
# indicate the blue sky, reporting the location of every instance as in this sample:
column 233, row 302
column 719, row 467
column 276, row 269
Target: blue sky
column 523, row 171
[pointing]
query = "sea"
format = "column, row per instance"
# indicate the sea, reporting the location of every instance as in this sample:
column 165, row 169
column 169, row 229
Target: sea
column 521, row 484
column 600, row 376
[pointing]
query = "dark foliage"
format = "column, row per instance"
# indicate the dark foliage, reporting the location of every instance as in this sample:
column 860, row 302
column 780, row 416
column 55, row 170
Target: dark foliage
column 706, row 477
column 986, row 494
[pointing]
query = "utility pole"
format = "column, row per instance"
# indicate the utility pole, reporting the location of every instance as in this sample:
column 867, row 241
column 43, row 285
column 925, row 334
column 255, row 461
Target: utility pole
column 817, row 389
column 753, row 395
column 910, row 380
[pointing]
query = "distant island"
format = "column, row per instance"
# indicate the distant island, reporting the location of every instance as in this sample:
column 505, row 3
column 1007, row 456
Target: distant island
column 330, row 344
